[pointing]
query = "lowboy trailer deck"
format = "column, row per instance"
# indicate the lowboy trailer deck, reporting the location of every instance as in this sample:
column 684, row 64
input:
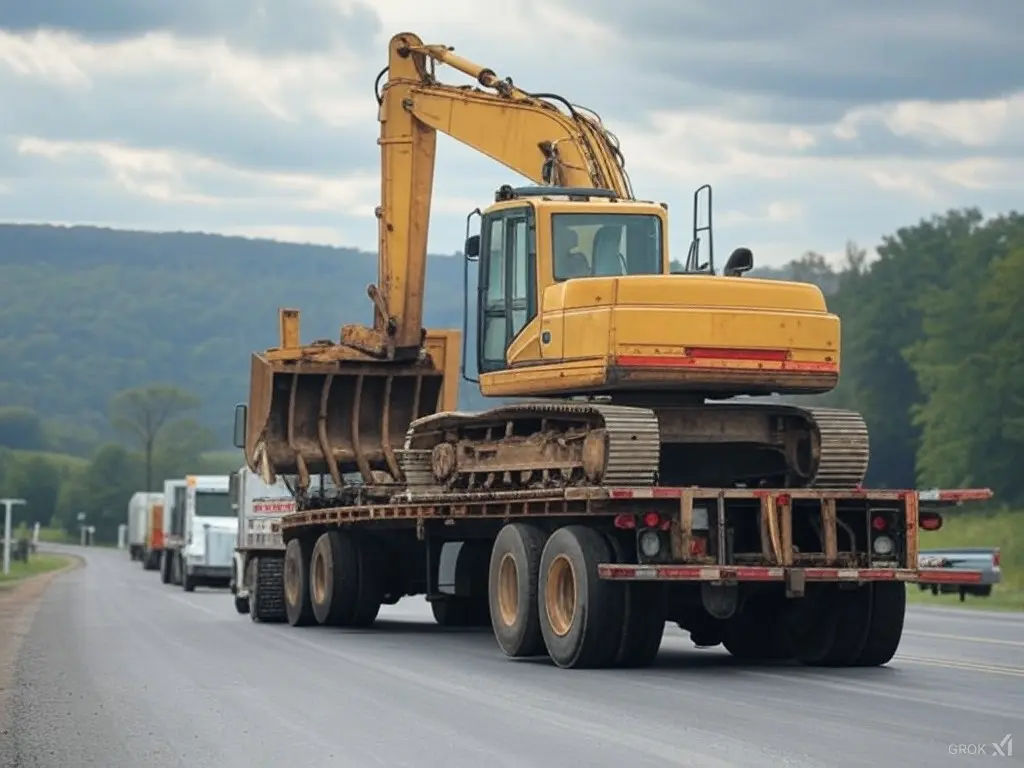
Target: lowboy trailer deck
column 590, row 576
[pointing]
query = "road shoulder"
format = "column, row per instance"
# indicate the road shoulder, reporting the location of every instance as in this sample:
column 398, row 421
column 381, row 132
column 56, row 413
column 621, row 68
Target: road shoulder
column 18, row 605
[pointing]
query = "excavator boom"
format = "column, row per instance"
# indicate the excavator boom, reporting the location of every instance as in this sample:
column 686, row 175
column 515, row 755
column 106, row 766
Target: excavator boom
column 528, row 133
column 344, row 407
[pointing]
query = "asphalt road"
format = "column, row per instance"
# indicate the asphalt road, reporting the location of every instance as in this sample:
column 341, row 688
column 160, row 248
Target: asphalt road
column 120, row 671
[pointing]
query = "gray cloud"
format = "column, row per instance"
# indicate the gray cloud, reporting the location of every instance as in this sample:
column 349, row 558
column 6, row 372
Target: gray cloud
column 264, row 25
column 832, row 52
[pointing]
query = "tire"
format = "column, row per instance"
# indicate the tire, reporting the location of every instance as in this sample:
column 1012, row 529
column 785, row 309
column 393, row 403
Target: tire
column 851, row 611
column 242, row 604
column 334, row 579
column 265, row 575
column 756, row 633
column 297, row 605
column 371, row 561
column 461, row 612
column 581, row 615
column 188, row 582
column 513, row 581
column 645, row 611
column 885, row 629
column 811, row 625
column 165, row 567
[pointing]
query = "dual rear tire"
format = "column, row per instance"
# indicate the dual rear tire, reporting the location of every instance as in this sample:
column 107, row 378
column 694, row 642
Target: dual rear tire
column 546, row 597
column 336, row 580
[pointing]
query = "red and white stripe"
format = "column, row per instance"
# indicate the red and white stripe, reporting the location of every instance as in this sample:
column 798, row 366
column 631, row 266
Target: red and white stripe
column 771, row 573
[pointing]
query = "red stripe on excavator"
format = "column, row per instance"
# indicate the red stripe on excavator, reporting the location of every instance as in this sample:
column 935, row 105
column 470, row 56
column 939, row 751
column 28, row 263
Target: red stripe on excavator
column 770, row 573
column 697, row 358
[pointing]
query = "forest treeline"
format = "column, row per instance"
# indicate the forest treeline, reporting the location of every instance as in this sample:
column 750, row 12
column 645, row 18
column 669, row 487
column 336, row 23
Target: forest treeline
column 932, row 346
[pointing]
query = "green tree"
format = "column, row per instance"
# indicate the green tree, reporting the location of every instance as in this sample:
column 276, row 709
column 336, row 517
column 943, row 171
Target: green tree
column 180, row 446
column 21, row 429
column 38, row 482
column 970, row 365
column 142, row 414
column 101, row 491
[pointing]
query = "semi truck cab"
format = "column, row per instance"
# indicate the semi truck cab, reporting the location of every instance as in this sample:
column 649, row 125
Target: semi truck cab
column 211, row 527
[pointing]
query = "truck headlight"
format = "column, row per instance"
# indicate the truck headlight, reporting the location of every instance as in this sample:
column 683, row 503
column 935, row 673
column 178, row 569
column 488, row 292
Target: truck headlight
column 882, row 545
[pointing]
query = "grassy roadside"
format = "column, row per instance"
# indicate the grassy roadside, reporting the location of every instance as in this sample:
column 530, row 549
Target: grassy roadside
column 37, row 564
column 1003, row 529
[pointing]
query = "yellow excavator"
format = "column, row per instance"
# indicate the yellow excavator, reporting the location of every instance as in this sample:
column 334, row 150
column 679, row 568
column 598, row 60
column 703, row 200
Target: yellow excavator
column 623, row 364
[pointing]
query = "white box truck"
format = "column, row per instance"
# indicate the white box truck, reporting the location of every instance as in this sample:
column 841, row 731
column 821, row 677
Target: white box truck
column 144, row 517
column 211, row 528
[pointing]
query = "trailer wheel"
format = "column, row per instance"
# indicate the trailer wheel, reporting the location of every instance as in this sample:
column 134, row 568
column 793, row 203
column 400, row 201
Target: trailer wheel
column 851, row 611
column 461, row 612
column 645, row 611
column 513, row 580
column 811, row 623
column 756, row 633
column 885, row 628
column 298, row 607
column 581, row 615
column 371, row 561
column 188, row 582
column 165, row 567
column 334, row 578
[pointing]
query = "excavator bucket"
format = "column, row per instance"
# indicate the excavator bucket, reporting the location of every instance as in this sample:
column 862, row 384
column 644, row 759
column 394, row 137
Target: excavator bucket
column 327, row 409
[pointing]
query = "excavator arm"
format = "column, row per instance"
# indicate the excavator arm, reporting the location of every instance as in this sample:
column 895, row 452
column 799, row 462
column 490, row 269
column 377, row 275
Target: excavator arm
column 337, row 408
column 543, row 137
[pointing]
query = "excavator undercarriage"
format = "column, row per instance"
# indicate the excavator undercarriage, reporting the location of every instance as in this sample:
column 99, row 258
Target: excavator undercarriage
column 568, row 443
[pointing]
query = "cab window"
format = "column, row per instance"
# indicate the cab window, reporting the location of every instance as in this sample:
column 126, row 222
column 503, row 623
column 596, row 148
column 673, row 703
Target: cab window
column 605, row 245
column 508, row 292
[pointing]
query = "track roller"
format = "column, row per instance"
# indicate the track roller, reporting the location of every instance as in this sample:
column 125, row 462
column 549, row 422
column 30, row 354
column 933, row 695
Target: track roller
column 581, row 615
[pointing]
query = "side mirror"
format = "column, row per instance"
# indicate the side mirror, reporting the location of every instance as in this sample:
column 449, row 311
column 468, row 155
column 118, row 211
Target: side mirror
column 241, row 417
column 473, row 247
column 741, row 260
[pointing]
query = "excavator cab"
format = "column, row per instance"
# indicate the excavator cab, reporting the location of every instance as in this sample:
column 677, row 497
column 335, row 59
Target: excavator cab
column 575, row 296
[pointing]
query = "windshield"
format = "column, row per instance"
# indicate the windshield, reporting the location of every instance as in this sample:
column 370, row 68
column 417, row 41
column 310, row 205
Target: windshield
column 605, row 244
column 214, row 504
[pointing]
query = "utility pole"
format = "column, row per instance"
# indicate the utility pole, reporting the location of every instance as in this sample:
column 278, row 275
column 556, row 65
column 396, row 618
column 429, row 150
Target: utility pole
column 8, row 508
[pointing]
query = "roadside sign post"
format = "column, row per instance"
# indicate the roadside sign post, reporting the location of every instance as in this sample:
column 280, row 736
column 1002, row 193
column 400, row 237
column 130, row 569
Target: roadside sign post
column 8, row 509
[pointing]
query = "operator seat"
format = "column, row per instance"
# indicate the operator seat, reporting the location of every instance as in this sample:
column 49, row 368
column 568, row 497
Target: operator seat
column 608, row 262
column 569, row 262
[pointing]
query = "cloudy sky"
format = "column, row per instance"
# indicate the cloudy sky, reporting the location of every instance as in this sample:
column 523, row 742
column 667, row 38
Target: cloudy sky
column 814, row 120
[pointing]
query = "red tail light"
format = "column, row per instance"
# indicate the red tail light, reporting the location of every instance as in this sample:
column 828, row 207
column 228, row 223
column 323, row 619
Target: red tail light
column 930, row 521
column 879, row 523
column 625, row 522
column 652, row 520
column 995, row 558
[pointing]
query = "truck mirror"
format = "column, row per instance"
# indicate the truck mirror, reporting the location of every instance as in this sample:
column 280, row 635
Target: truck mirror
column 241, row 416
column 741, row 260
column 473, row 247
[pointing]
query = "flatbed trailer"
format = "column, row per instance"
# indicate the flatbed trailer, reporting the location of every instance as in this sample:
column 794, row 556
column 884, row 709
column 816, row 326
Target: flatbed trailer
column 589, row 576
